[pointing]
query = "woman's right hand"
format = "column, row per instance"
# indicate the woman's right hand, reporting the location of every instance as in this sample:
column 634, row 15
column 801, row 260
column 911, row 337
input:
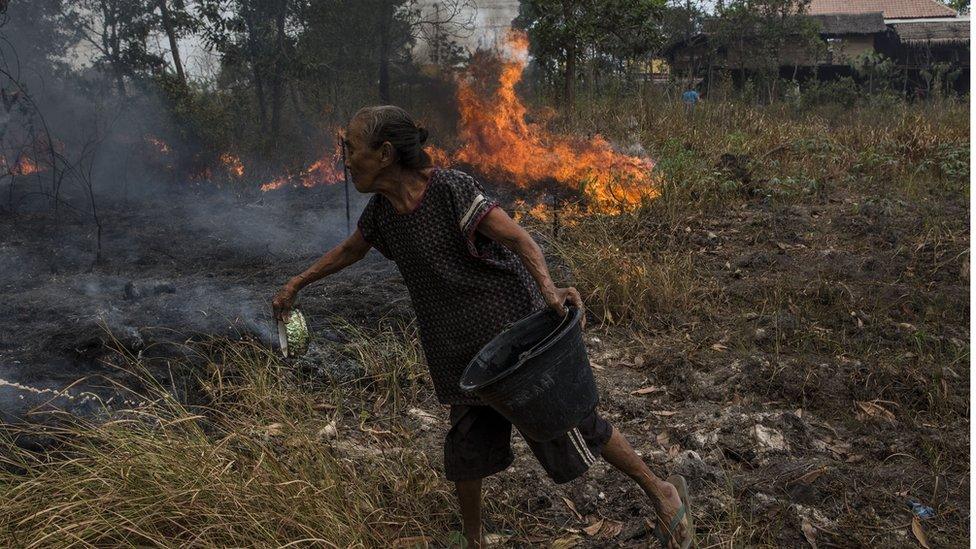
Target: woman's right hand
column 282, row 302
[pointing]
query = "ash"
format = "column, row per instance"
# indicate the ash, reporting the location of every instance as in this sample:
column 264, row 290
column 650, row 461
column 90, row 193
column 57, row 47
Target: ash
column 184, row 265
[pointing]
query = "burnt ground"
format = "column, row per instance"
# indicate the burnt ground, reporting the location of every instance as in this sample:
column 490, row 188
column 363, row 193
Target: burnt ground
column 822, row 382
column 187, row 264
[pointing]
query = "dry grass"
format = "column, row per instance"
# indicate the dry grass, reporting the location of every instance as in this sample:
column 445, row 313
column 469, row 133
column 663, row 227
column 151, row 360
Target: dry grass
column 910, row 150
column 624, row 278
column 271, row 458
column 266, row 463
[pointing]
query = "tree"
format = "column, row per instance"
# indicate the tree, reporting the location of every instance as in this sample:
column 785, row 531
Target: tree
column 961, row 6
column 561, row 32
column 118, row 31
column 252, row 34
column 176, row 23
column 761, row 36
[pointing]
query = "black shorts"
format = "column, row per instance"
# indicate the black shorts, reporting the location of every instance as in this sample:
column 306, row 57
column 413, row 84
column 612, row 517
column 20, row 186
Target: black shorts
column 479, row 445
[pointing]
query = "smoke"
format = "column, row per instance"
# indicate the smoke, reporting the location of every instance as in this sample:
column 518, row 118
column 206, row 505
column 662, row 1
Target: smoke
column 144, row 257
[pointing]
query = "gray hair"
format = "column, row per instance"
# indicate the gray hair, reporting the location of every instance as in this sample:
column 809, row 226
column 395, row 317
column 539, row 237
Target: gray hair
column 391, row 123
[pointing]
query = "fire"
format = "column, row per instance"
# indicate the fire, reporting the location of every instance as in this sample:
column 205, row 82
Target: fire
column 500, row 142
column 326, row 170
column 24, row 166
column 157, row 143
column 438, row 156
column 232, row 164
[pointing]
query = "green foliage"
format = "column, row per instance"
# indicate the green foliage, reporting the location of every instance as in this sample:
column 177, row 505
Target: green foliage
column 877, row 70
column 118, row 32
column 843, row 92
column 765, row 35
column 563, row 33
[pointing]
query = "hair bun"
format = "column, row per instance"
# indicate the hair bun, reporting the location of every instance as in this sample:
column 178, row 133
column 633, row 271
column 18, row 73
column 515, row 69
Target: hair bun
column 422, row 135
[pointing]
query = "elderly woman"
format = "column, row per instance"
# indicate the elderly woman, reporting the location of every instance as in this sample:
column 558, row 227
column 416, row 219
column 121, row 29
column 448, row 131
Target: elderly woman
column 470, row 270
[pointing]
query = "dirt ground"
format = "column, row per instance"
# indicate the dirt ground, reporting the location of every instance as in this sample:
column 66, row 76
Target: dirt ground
column 822, row 384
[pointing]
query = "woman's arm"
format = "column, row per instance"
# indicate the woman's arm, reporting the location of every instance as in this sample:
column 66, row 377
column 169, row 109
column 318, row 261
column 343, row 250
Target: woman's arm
column 349, row 251
column 501, row 228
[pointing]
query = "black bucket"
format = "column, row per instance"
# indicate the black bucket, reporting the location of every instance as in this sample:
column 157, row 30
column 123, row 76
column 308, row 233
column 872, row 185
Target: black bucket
column 536, row 374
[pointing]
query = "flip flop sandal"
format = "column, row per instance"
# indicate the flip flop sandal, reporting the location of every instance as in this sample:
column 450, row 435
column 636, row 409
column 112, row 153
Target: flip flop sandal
column 664, row 537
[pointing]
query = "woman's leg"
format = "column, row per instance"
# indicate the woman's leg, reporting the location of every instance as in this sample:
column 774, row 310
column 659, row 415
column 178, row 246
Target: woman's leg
column 663, row 495
column 469, row 497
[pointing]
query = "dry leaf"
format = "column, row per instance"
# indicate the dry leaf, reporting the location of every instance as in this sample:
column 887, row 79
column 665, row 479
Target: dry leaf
column 329, row 431
column 496, row 539
column 566, row 542
column 876, row 410
column 719, row 347
column 592, row 529
column 663, row 412
column 810, row 533
column 809, row 477
column 647, row 390
column 674, row 450
column 919, row 533
column 663, row 439
column 611, row 529
column 838, row 447
column 572, row 507
column 595, row 366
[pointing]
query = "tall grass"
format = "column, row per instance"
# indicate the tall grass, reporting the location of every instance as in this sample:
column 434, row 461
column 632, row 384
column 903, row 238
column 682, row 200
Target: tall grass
column 623, row 275
column 264, row 463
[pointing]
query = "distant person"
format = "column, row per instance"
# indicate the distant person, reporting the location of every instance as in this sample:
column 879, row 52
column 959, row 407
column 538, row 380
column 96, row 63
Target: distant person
column 470, row 270
column 690, row 99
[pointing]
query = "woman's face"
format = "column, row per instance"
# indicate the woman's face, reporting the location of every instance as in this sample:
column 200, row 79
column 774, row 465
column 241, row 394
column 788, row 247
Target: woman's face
column 365, row 162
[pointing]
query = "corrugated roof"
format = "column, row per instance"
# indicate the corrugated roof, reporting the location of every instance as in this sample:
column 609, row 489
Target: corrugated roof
column 934, row 31
column 892, row 9
column 850, row 23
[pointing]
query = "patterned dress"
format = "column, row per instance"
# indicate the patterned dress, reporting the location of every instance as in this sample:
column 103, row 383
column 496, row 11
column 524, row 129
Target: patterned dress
column 465, row 287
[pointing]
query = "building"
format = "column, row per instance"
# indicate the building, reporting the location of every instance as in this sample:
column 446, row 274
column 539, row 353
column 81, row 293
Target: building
column 924, row 38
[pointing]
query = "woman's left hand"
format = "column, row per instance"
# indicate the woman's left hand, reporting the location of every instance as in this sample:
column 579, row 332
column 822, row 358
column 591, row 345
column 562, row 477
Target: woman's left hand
column 556, row 300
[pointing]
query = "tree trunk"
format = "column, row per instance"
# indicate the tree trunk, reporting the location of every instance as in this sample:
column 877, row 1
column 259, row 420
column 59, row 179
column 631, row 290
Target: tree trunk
column 386, row 17
column 247, row 13
column 173, row 44
column 569, row 83
column 277, row 76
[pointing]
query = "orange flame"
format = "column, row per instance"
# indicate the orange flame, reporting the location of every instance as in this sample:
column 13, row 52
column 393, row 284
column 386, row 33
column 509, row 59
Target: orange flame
column 326, row 170
column 500, row 142
column 24, row 166
column 232, row 164
column 438, row 156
